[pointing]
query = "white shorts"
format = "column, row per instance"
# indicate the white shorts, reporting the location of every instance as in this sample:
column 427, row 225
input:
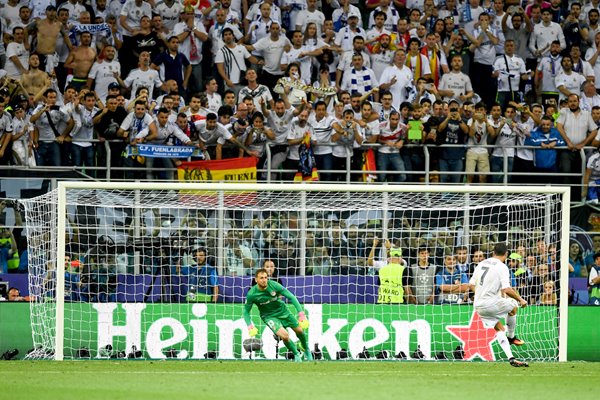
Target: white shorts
column 494, row 312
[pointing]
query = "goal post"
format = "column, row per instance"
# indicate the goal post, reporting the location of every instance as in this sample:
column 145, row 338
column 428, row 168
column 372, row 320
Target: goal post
column 129, row 280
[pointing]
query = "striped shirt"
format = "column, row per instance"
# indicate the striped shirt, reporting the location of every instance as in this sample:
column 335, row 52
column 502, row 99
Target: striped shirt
column 323, row 130
column 233, row 60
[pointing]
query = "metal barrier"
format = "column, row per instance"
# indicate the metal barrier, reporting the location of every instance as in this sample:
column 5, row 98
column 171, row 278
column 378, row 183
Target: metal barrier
column 109, row 170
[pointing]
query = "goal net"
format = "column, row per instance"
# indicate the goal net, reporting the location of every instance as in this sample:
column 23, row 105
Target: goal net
column 159, row 270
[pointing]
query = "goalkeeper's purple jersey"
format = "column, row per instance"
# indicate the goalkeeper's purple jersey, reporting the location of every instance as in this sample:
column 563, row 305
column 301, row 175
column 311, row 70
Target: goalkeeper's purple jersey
column 268, row 301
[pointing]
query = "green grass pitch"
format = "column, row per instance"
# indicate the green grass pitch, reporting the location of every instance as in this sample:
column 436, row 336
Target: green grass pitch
column 264, row 380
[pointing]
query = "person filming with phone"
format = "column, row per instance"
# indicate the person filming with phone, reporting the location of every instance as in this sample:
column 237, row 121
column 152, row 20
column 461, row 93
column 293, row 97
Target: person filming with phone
column 52, row 126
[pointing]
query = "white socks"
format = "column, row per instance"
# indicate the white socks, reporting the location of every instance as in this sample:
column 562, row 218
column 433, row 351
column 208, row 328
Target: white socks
column 503, row 341
column 511, row 322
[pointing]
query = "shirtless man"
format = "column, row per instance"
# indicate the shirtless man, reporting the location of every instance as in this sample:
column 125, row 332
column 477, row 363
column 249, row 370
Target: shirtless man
column 48, row 31
column 34, row 79
column 81, row 60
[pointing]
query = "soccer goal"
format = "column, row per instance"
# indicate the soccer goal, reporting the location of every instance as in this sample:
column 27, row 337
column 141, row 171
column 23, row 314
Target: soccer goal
column 158, row 270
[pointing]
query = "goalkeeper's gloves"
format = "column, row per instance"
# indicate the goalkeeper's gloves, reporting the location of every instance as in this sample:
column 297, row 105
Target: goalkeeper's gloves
column 252, row 331
column 302, row 319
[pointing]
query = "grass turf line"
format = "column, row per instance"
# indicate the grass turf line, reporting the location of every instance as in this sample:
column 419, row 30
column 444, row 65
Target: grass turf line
column 264, row 380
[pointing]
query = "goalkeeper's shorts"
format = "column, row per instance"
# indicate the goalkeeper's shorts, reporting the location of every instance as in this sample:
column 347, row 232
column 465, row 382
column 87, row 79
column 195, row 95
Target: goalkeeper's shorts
column 277, row 322
column 495, row 311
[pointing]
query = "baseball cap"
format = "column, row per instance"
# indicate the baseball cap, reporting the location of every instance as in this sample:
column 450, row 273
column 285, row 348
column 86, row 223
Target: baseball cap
column 114, row 85
column 353, row 14
column 395, row 252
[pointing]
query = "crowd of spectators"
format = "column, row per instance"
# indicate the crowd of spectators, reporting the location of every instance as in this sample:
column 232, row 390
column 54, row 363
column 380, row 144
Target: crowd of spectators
column 489, row 87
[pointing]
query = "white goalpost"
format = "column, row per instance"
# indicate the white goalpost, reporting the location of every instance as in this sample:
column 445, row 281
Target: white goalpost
column 160, row 270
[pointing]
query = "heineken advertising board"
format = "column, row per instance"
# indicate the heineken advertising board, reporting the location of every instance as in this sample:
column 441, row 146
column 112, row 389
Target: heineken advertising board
column 195, row 329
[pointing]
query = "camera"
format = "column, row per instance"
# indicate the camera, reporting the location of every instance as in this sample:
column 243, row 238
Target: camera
column 55, row 108
column 454, row 110
column 9, row 355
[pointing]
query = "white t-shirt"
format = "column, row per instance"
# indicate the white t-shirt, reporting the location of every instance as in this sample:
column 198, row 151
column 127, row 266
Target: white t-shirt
column 485, row 53
column 391, row 135
column 490, row 277
column 323, row 130
column 272, row 52
column 169, row 15
column 391, row 17
column 185, row 46
column 103, row 75
column 10, row 13
column 305, row 62
column 280, row 125
column 18, row 50
column 345, row 61
column 550, row 68
column 305, row 17
column 297, row 132
column 218, row 135
column 345, row 37
column 512, row 71
column 572, row 82
column 477, row 142
column 138, row 78
column 214, row 102
column 380, row 61
column 261, row 92
column 84, row 136
column 134, row 125
column 588, row 55
column 74, row 10
column 458, row 82
column 506, row 141
column 404, row 78
column 233, row 60
column 216, row 35
column 133, row 14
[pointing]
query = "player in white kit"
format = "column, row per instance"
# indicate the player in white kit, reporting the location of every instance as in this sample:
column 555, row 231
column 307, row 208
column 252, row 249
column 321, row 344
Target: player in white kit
column 496, row 300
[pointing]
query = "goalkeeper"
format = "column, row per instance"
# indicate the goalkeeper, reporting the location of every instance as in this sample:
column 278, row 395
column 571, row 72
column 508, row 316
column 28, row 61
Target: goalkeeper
column 274, row 312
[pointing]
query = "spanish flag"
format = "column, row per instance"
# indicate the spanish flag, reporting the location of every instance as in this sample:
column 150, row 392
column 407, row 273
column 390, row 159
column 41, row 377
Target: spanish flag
column 228, row 170
column 369, row 166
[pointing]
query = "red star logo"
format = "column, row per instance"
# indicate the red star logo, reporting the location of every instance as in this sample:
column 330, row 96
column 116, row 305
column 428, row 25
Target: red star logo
column 476, row 338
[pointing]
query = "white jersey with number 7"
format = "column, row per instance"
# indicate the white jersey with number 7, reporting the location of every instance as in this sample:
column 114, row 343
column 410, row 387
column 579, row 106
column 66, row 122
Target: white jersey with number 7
column 490, row 277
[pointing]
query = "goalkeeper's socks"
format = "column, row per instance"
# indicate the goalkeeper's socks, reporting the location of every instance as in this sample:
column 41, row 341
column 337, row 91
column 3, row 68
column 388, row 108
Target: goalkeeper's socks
column 503, row 342
column 511, row 322
column 292, row 347
column 303, row 342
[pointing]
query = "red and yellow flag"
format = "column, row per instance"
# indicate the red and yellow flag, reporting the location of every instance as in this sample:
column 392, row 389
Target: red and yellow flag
column 228, row 170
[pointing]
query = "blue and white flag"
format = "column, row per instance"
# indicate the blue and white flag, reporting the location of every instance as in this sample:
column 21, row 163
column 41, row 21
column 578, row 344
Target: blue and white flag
column 162, row 151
